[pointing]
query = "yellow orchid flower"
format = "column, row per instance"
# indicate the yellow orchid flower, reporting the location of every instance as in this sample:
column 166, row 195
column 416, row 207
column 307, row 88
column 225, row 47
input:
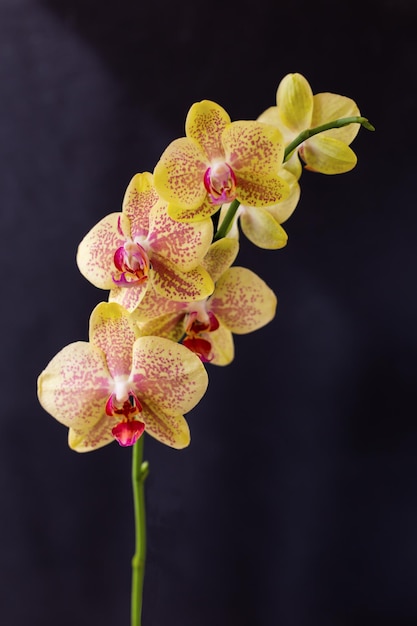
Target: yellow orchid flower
column 241, row 303
column 262, row 225
column 298, row 109
column 219, row 161
column 118, row 385
column 127, row 251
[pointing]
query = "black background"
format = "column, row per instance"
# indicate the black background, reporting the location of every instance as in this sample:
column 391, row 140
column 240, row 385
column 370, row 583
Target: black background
column 296, row 503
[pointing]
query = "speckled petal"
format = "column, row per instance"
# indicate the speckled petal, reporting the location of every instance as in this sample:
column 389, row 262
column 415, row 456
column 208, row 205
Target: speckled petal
column 264, row 192
column 328, row 156
column 139, row 199
column 179, row 174
column 183, row 244
column 205, row 210
column 253, row 149
column 173, row 284
column 114, row 332
column 283, row 210
column 220, row 257
column 75, row 385
column 96, row 251
column 262, row 229
column 331, row 106
column 172, row 430
column 153, row 305
column 243, row 301
column 295, row 102
column 130, row 297
column 170, row 326
column 223, row 348
column 205, row 123
column 167, row 376
column 98, row 436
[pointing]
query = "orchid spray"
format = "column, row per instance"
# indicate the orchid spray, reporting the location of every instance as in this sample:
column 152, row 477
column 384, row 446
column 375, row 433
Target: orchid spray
column 167, row 260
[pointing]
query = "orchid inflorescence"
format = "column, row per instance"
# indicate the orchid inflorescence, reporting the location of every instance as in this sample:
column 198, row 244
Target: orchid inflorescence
column 175, row 297
column 167, row 259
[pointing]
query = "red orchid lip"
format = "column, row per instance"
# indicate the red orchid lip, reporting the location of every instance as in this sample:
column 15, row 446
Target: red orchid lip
column 127, row 433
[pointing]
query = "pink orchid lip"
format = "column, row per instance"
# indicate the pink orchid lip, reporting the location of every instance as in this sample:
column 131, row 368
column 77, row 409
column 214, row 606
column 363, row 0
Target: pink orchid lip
column 127, row 433
column 220, row 183
column 131, row 260
column 198, row 323
column 128, row 408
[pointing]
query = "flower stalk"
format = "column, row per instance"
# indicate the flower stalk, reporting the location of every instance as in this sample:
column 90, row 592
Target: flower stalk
column 140, row 470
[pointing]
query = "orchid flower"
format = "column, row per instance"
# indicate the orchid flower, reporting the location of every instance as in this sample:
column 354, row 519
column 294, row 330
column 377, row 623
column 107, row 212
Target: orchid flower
column 127, row 251
column 219, row 161
column 118, row 385
column 297, row 109
column 241, row 303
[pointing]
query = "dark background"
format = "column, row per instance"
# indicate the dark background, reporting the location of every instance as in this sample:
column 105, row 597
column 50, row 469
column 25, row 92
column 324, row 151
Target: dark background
column 296, row 503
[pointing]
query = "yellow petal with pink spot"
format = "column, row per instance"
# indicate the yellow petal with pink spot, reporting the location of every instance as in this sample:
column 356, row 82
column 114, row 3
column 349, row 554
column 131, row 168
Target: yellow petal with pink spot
column 173, row 284
column 95, row 255
column 179, row 174
column 262, row 192
column 253, row 149
column 168, row 377
column 243, row 301
column 96, row 437
column 205, row 123
column 114, row 332
column 139, row 199
column 283, row 210
column 185, row 244
column 75, row 385
column 220, row 257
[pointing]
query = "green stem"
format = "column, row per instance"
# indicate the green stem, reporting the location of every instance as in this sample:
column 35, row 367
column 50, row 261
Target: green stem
column 309, row 132
column 227, row 221
column 139, row 472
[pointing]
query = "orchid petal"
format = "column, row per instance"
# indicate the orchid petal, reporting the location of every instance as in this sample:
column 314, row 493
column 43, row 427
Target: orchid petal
column 170, row 326
column 179, row 174
column 114, row 332
column 253, row 149
column 263, row 192
column 262, row 229
column 200, row 213
column 243, row 301
column 295, row 102
column 74, row 386
column 331, row 106
column 284, row 209
column 205, row 123
column 173, row 284
column 328, row 156
column 154, row 304
column 168, row 428
column 222, row 344
column 167, row 376
column 183, row 244
column 95, row 256
column 220, row 257
column 139, row 199
column 130, row 297
column 91, row 439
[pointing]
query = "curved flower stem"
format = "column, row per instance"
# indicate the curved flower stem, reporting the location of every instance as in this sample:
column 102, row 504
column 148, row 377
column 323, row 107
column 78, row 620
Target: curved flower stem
column 309, row 132
column 227, row 221
column 140, row 470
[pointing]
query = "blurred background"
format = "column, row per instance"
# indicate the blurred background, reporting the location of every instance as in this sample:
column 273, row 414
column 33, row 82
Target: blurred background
column 296, row 503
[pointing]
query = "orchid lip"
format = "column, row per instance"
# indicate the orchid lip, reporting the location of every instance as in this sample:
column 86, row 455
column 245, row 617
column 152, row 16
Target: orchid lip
column 220, row 183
